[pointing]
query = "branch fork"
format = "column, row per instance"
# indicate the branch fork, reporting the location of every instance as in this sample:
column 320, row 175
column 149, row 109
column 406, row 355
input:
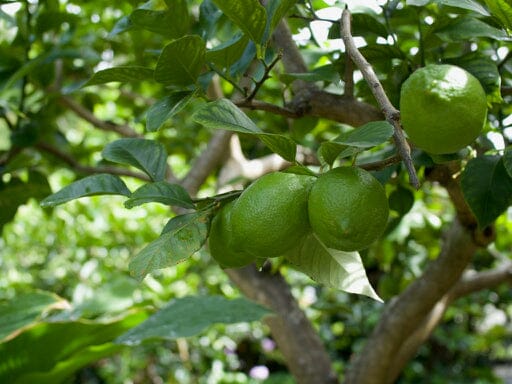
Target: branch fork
column 391, row 114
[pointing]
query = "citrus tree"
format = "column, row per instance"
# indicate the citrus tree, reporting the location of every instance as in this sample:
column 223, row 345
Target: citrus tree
column 359, row 147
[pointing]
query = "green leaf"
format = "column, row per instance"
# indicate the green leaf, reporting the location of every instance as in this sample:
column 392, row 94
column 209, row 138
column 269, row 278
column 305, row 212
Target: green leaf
column 120, row 74
column 147, row 155
column 101, row 184
column 183, row 238
column 169, row 23
column 248, row 15
column 166, row 108
column 181, row 61
column 276, row 10
column 502, row 10
column 50, row 352
column 224, row 55
column 487, row 188
column 366, row 136
column 469, row 5
column 223, row 114
column 468, row 27
column 401, row 200
column 340, row 270
column 190, row 315
column 25, row 309
column 160, row 192
column 507, row 160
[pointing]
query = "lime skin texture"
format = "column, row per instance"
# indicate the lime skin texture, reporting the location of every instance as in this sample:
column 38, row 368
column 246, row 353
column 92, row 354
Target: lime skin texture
column 348, row 209
column 220, row 241
column 443, row 108
column 271, row 215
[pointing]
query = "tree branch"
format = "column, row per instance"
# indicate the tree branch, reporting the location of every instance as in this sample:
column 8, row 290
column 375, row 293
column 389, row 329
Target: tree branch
column 467, row 285
column 88, row 116
column 412, row 307
column 390, row 112
column 308, row 100
column 297, row 340
column 74, row 164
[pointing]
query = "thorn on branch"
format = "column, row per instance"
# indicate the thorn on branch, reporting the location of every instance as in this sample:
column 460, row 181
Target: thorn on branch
column 391, row 114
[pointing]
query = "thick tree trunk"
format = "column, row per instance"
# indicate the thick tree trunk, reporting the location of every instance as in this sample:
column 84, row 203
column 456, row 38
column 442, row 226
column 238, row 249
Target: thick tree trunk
column 300, row 344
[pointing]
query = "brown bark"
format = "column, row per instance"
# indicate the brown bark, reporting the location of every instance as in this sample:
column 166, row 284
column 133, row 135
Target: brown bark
column 299, row 343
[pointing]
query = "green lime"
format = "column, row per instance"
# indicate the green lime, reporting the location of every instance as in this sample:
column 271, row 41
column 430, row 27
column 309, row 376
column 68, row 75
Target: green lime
column 348, row 208
column 220, row 241
column 271, row 215
column 443, row 108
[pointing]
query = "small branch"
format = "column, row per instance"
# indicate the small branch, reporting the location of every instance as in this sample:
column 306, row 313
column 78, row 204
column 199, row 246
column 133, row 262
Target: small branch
column 267, row 107
column 378, row 165
column 391, row 114
column 348, row 77
column 74, row 164
column 265, row 77
column 87, row 115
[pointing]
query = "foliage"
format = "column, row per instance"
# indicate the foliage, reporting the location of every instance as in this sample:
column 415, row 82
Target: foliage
column 124, row 102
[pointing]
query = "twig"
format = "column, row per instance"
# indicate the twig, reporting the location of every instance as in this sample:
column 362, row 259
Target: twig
column 378, row 165
column 267, row 107
column 87, row 115
column 73, row 163
column 265, row 77
column 391, row 114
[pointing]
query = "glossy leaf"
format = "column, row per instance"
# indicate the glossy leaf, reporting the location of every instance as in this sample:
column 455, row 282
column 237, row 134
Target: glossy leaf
column 487, row 188
column 101, row 184
column 223, row 114
column 24, row 310
column 341, row 270
column 366, row 136
column 173, row 246
column 181, row 61
column 166, row 108
column 160, row 192
column 468, row 27
column 276, row 10
column 120, row 74
column 50, row 352
column 147, row 155
column 248, row 15
column 224, row 55
column 502, row 10
column 190, row 315
column 169, row 23
column 470, row 5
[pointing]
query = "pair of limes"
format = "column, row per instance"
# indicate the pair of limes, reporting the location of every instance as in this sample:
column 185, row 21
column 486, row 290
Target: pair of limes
column 346, row 208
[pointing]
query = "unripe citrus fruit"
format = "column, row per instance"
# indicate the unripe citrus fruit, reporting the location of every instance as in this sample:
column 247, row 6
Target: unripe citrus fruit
column 220, row 241
column 443, row 108
column 348, row 208
column 271, row 215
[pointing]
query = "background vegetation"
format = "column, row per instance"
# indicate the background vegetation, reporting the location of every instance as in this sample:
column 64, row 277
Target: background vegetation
column 69, row 306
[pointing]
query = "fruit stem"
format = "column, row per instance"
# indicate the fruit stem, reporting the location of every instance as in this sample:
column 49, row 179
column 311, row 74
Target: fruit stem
column 391, row 114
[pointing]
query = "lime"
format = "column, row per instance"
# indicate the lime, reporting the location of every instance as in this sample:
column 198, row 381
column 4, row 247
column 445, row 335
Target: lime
column 221, row 241
column 443, row 108
column 348, row 208
column 271, row 215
